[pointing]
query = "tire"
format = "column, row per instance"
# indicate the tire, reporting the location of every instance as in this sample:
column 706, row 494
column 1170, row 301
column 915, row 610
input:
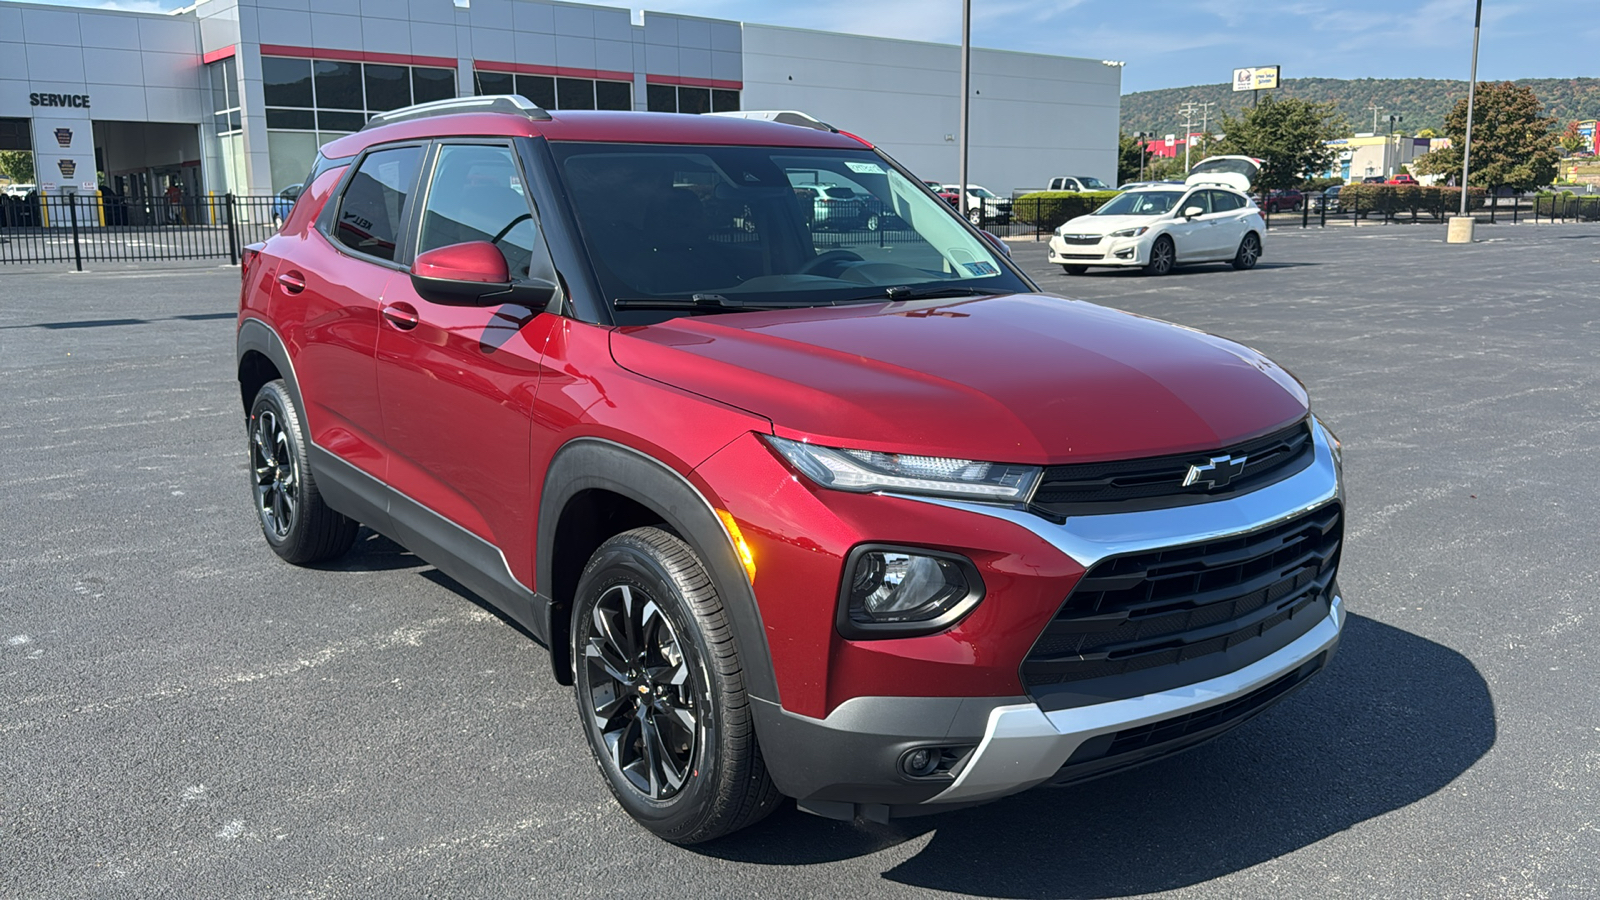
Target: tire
column 872, row 222
column 1074, row 270
column 648, row 622
column 1162, row 257
column 1249, row 252
column 975, row 215
column 297, row 524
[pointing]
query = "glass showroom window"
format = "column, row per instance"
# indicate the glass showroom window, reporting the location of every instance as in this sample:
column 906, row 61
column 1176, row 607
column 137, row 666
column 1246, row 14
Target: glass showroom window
column 225, row 115
column 310, row 102
column 686, row 99
column 549, row 92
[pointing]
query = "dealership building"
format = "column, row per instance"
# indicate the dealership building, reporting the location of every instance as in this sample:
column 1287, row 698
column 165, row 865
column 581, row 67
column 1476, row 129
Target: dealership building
column 236, row 95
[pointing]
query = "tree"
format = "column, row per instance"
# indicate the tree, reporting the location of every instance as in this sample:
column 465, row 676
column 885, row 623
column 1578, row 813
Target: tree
column 1571, row 139
column 1128, row 153
column 1290, row 135
column 1513, row 141
column 17, row 165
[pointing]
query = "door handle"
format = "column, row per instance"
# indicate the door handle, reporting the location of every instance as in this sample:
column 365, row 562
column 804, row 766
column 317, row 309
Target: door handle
column 293, row 282
column 401, row 315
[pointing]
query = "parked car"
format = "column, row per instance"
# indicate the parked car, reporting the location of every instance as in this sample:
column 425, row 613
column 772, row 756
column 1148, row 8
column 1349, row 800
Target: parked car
column 283, row 203
column 1329, row 197
column 877, row 214
column 882, row 529
column 1279, row 201
column 984, row 207
column 1401, row 178
column 19, row 190
column 1138, row 184
column 1211, row 218
column 951, row 196
column 832, row 206
column 1373, row 179
column 1078, row 183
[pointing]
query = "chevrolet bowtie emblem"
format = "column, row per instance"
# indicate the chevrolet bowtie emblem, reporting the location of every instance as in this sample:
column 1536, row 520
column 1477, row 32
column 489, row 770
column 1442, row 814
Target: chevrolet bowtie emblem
column 1215, row 474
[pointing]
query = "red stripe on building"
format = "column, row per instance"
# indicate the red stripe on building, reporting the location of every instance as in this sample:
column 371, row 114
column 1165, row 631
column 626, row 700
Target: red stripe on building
column 395, row 59
column 217, row 55
column 558, row 71
column 695, row 82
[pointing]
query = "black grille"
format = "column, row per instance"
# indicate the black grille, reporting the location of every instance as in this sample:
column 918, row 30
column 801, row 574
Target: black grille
column 1164, row 607
column 1125, row 485
column 1077, row 241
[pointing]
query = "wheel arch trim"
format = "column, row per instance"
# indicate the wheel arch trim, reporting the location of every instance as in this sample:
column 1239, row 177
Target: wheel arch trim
column 592, row 463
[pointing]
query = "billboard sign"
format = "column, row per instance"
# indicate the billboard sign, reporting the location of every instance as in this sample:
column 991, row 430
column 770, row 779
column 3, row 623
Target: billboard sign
column 1259, row 78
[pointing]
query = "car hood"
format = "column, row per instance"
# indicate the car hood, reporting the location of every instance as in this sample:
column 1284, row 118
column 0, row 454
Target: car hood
column 1103, row 225
column 1022, row 378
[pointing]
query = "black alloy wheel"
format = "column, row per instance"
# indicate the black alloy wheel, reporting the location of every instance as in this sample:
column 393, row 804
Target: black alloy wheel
column 640, row 696
column 1162, row 257
column 660, row 690
column 297, row 524
column 1249, row 252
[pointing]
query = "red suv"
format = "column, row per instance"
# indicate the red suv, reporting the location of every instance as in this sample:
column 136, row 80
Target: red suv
column 869, row 523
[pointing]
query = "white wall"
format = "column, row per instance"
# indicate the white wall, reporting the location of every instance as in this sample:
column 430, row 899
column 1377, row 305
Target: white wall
column 1033, row 116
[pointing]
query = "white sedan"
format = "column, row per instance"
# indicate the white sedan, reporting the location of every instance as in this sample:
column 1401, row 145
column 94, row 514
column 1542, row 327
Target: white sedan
column 1208, row 219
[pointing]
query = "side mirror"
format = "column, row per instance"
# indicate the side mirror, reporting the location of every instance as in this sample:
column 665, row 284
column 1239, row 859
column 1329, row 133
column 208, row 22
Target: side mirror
column 1192, row 211
column 999, row 244
column 474, row 274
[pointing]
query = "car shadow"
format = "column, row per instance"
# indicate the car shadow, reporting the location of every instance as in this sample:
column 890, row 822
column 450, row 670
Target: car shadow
column 1394, row 719
column 1190, row 271
column 373, row 552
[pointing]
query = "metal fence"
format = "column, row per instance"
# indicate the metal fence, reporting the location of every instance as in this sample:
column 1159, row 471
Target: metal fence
column 1039, row 217
column 101, row 227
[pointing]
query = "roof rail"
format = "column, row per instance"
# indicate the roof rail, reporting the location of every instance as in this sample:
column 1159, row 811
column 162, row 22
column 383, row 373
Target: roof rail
column 781, row 116
column 515, row 104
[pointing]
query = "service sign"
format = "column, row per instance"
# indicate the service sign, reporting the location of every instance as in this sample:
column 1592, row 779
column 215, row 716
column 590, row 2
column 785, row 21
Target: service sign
column 1258, row 78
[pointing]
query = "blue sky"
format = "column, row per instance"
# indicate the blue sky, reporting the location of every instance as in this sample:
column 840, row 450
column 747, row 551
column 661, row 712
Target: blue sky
column 1171, row 43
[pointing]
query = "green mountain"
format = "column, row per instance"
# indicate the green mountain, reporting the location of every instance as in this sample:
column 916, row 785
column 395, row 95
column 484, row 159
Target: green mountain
column 1423, row 101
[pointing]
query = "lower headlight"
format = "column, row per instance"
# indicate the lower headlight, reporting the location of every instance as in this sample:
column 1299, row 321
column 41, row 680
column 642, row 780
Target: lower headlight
column 903, row 592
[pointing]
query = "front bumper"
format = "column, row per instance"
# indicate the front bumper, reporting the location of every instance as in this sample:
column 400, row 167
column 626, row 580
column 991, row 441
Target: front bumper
column 848, row 763
column 1110, row 251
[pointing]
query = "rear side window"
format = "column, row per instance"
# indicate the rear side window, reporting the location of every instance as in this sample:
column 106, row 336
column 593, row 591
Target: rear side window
column 1222, row 201
column 373, row 209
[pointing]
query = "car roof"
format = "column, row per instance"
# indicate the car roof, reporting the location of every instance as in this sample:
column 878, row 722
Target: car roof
column 598, row 126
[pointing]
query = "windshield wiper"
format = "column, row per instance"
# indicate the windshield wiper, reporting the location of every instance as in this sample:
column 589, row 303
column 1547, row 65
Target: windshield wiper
column 706, row 302
column 906, row 292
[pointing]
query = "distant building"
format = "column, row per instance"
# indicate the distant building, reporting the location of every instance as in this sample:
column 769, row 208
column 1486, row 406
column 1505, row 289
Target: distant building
column 1369, row 155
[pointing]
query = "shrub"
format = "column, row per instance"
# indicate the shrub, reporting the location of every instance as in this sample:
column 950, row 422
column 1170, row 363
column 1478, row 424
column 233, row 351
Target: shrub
column 1050, row 209
column 1393, row 199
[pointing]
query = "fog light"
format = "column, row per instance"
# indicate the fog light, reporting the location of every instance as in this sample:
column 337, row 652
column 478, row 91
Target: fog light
column 895, row 592
column 920, row 763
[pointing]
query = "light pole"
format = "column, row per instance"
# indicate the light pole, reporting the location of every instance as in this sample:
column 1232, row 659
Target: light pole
column 1460, row 231
column 1393, row 169
column 966, row 93
column 1144, row 144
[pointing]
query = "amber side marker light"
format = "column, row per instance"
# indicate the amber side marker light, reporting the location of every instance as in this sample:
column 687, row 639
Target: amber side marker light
column 745, row 556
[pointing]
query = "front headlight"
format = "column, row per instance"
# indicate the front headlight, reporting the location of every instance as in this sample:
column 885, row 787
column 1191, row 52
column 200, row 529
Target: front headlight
column 866, row 471
column 1131, row 232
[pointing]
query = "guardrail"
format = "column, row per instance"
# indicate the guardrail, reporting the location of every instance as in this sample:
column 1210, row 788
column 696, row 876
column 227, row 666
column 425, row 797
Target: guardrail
column 101, row 227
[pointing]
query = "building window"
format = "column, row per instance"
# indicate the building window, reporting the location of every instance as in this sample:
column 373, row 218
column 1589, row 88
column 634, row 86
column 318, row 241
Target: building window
column 225, row 95
column 685, row 99
column 310, row 102
column 548, row 92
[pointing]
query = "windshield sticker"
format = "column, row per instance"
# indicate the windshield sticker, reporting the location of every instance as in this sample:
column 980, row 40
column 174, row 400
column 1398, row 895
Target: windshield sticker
column 864, row 168
column 980, row 269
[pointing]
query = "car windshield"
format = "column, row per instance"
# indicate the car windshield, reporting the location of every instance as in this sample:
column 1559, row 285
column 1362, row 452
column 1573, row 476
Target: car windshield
column 976, row 191
column 1140, row 203
column 755, row 225
column 1093, row 183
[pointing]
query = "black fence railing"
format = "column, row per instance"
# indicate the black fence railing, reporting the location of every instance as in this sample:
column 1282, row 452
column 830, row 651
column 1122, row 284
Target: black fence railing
column 99, row 227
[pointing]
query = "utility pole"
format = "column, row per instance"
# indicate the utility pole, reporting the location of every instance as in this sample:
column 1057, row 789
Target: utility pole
column 1205, row 117
column 1395, row 168
column 966, row 93
column 1144, row 144
column 1188, row 110
column 1375, row 108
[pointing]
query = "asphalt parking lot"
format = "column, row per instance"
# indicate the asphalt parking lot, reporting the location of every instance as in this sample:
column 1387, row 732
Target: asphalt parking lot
column 184, row 715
